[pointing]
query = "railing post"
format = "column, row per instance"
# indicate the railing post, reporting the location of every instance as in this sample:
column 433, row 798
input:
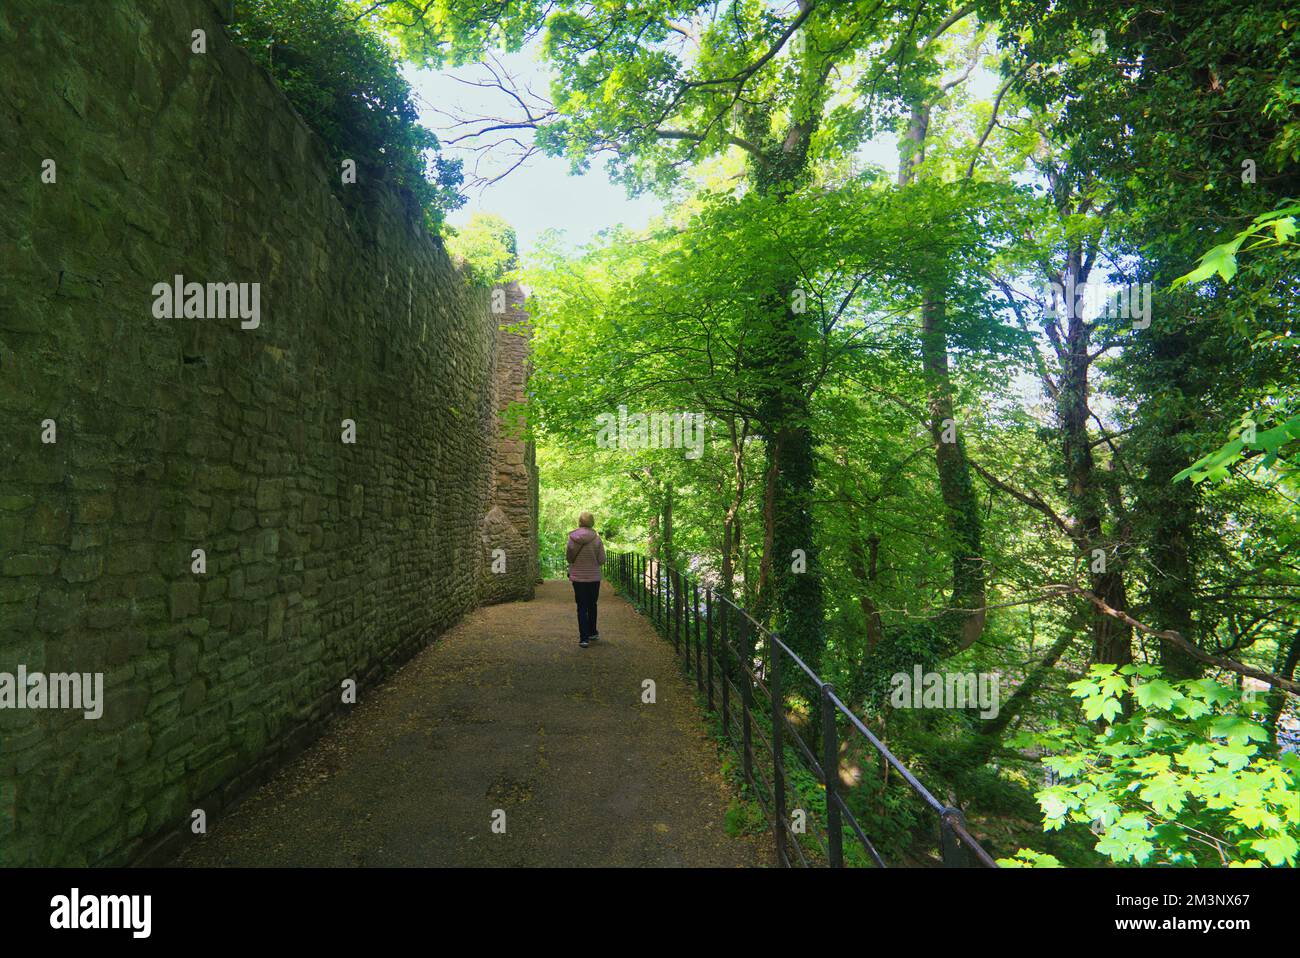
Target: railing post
column 688, row 610
column 778, row 748
column 682, row 628
column 726, row 672
column 831, row 777
column 686, row 623
column 708, row 641
column 954, row 855
column 654, row 592
column 675, row 600
column 685, row 626
column 746, row 703
column 670, row 609
column 670, row 606
column 695, row 604
column 684, row 620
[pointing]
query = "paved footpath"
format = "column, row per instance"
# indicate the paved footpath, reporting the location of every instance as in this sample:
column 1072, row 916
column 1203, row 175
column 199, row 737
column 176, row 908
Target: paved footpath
column 504, row 711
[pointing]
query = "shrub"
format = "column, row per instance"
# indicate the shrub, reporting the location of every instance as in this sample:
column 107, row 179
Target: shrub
column 347, row 85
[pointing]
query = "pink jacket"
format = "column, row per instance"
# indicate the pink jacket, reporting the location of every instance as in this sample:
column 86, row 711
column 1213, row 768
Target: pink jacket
column 585, row 554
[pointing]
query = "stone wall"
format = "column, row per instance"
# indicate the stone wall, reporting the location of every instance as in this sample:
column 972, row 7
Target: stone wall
column 510, row 527
column 326, row 560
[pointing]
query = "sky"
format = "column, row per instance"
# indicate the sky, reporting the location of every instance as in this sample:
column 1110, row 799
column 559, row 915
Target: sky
column 541, row 194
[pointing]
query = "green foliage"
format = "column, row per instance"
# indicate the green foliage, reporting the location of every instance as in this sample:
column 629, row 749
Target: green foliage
column 744, row 817
column 1268, row 230
column 574, row 485
column 453, row 32
column 341, row 76
column 485, row 247
column 1215, row 466
column 1027, row 858
column 1180, row 780
column 1277, row 228
column 919, row 643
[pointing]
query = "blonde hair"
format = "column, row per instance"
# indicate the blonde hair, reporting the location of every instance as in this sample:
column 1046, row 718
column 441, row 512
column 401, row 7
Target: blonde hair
column 586, row 520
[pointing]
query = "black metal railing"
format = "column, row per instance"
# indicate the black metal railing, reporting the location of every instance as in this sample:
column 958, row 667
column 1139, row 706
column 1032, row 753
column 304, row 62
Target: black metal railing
column 733, row 658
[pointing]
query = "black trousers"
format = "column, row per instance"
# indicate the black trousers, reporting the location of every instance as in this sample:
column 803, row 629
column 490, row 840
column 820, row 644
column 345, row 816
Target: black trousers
column 585, row 594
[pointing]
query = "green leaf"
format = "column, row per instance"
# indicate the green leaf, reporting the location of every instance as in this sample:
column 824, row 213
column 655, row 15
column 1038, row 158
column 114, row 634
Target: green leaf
column 1196, row 758
column 1157, row 694
column 1101, row 707
column 1235, row 757
column 1237, row 729
column 1279, row 850
column 1165, row 793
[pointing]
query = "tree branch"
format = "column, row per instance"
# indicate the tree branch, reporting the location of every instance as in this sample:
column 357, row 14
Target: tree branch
column 993, row 119
column 1031, row 499
column 1195, row 651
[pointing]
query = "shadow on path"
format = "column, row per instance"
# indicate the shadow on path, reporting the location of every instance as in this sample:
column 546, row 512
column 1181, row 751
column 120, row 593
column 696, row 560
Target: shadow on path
column 504, row 711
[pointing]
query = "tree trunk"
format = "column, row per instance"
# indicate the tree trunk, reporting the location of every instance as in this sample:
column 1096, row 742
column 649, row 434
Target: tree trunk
column 964, row 622
column 669, row 555
column 731, row 521
column 794, row 546
column 991, row 732
column 864, row 565
column 961, row 506
column 652, row 530
column 911, row 149
column 1285, row 666
column 1169, row 519
column 1112, row 640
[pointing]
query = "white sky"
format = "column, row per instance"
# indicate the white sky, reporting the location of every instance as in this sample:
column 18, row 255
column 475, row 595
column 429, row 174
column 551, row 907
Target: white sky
column 541, row 194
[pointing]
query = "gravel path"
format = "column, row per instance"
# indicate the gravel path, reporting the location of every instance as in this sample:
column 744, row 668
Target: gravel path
column 505, row 712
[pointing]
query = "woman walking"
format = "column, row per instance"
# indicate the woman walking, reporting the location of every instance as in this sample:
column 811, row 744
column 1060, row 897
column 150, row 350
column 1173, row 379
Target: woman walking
column 585, row 554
